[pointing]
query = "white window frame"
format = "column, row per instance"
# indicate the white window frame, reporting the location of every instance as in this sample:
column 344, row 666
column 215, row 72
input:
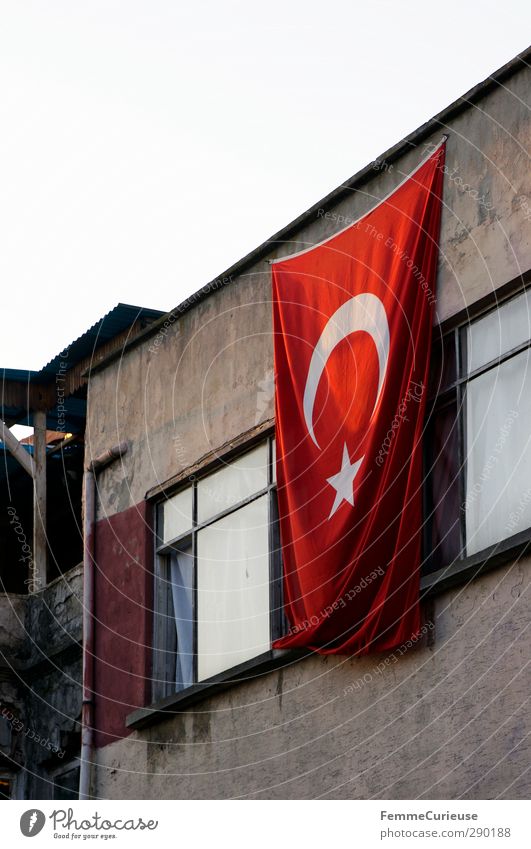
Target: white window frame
column 164, row 638
column 489, row 467
column 450, row 390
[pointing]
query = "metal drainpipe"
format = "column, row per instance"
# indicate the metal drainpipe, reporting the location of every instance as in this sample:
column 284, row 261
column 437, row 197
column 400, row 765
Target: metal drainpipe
column 89, row 574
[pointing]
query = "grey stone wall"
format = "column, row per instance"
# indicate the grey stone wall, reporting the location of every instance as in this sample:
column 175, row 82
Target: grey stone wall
column 41, row 693
column 12, row 640
column 12, row 630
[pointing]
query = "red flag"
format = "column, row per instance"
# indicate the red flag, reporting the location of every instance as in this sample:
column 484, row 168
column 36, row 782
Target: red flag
column 352, row 324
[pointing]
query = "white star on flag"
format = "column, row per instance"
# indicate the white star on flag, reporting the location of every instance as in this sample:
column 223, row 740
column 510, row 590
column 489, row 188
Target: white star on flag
column 343, row 481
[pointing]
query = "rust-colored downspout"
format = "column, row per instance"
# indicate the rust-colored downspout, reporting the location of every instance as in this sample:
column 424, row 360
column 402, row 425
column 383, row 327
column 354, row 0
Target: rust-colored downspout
column 89, row 575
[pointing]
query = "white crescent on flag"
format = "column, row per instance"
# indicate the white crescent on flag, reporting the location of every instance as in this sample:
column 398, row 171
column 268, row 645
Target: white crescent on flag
column 362, row 312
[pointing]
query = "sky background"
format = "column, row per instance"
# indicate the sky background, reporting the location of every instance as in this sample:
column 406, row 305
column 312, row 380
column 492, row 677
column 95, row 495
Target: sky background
column 146, row 146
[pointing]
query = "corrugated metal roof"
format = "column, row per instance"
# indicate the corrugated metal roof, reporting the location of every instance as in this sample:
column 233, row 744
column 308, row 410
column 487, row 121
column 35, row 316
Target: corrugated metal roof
column 110, row 325
column 117, row 321
column 18, row 374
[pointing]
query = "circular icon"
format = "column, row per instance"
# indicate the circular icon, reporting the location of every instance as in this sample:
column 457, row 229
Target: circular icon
column 31, row 822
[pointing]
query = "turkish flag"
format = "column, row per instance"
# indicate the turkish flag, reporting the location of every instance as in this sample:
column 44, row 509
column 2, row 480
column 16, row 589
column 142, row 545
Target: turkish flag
column 352, row 322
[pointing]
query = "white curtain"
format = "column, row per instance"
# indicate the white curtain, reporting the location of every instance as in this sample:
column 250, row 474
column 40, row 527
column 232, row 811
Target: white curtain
column 233, row 589
column 498, row 459
column 182, row 572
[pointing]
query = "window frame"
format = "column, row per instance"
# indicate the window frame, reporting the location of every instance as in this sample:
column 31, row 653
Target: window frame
column 466, row 566
column 163, row 687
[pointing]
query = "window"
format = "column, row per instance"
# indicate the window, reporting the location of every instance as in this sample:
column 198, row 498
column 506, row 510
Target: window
column 217, row 574
column 477, row 437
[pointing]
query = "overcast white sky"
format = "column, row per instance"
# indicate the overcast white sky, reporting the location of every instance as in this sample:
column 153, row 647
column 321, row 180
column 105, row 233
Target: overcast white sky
column 146, row 146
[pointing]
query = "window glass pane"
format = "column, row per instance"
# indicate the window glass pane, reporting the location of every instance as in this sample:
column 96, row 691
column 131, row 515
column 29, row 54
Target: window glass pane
column 182, row 587
column 273, row 460
column 442, row 494
column 177, row 515
column 498, row 490
column 500, row 331
column 233, row 589
column 232, row 483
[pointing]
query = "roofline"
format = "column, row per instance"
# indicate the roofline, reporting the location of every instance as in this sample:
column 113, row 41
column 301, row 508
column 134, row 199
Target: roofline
column 14, row 375
column 438, row 122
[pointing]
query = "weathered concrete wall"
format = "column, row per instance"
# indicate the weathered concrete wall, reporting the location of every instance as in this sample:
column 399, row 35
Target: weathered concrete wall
column 41, row 690
column 12, row 632
column 177, row 401
column 52, row 680
column 54, row 617
column 12, row 641
column 440, row 722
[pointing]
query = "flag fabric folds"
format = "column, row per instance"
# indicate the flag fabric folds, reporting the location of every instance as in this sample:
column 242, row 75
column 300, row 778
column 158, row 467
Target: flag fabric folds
column 352, row 322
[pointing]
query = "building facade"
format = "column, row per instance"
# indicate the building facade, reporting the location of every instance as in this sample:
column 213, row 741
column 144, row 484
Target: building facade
column 184, row 695
column 190, row 700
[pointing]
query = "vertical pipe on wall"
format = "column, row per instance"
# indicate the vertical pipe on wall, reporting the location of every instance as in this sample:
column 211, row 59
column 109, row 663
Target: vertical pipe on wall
column 87, row 709
column 40, row 547
column 89, row 580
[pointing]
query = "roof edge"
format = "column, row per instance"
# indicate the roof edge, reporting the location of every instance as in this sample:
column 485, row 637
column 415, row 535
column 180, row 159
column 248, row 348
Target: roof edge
column 412, row 140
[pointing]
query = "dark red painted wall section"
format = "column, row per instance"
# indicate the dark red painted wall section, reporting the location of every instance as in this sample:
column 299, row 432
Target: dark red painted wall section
column 123, row 603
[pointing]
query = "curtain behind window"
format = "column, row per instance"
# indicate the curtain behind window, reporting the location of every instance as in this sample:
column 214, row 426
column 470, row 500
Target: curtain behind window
column 182, row 576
